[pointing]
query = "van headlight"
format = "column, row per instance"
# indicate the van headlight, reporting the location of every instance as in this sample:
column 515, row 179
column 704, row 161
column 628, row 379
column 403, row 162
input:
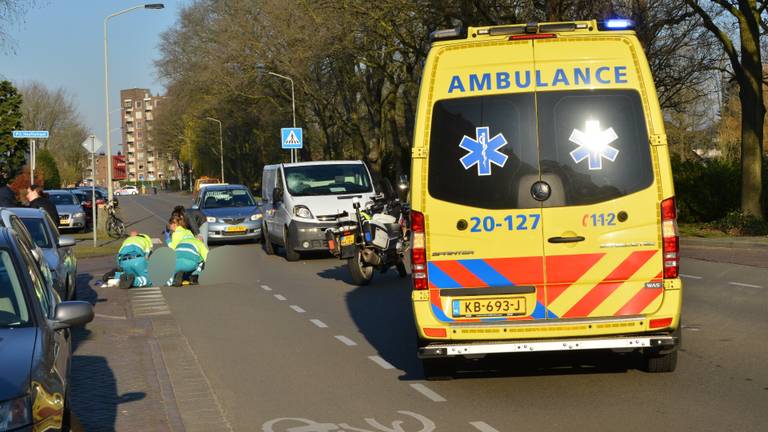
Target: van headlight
column 256, row 217
column 302, row 212
column 15, row 413
column 210, row 219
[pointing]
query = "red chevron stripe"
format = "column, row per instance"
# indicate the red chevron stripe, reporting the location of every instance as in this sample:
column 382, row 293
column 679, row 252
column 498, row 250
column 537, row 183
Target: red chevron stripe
column 642, row 299
column 519, row 271
column 460, row 274
column 601, row 291
column 564, row 270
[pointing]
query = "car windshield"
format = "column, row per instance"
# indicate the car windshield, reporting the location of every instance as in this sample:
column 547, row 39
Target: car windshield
column 63, row 198
column 36, row 228
column 13, row 307
column 227, row 198
column 333, row 179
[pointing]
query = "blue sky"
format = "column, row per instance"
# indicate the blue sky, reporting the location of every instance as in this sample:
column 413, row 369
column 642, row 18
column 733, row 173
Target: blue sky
column 60, row 44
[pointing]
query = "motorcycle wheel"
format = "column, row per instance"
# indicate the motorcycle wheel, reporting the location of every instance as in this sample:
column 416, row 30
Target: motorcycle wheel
column 361, row 275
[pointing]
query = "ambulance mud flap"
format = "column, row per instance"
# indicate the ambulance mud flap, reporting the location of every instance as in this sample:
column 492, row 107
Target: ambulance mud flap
column 656, row 343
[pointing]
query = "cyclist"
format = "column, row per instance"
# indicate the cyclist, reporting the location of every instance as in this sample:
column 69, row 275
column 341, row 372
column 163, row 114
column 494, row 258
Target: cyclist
column 191, row 253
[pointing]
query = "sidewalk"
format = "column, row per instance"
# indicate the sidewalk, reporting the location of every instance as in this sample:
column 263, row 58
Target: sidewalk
column 750, row 251
column 119, row 381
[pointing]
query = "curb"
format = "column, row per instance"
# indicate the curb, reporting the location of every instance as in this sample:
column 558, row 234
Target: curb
column 744, row 242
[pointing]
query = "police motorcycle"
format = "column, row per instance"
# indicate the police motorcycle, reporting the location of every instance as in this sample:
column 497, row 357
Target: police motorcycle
column 371, row 239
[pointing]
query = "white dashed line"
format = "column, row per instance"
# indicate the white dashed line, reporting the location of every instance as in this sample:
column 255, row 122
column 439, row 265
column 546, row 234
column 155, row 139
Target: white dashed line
column 345, row 340
column 690, row 276
column 279, row 297
column 266, row 288
column 483, row 426
column 319, row 323
column 381, row 362
column 428, row 393
column 297, row 309
column 744, row 285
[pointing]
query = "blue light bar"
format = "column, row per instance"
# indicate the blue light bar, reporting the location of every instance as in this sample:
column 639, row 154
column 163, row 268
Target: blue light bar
column 616, row 24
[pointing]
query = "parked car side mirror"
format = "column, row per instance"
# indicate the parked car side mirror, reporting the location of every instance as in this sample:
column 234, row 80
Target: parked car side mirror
column 71, row 314
column 277, row 195
column 66, row 242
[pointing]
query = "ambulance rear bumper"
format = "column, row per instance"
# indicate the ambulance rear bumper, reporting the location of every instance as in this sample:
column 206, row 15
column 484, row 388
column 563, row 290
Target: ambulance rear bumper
column 659, row 343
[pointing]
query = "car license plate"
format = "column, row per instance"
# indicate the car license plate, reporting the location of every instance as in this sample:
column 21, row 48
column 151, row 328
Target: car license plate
column 487, row 307
column 347, row 240
column 63, row 221
column 236, row 228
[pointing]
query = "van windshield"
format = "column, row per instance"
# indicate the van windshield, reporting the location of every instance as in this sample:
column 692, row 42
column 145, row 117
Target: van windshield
column 336, row 179
column 590, row 146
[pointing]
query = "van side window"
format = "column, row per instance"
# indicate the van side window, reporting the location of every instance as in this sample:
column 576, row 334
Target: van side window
column 453, row 120
column 595, row 143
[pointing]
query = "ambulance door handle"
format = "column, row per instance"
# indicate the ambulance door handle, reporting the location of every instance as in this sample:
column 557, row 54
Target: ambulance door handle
column 574, row 239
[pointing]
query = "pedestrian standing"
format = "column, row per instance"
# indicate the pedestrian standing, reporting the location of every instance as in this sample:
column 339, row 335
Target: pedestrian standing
column 39, row 199
column 7, row 196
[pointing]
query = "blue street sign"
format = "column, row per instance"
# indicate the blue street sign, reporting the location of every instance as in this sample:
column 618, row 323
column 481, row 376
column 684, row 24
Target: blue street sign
column 30, row 134
column 291, row 138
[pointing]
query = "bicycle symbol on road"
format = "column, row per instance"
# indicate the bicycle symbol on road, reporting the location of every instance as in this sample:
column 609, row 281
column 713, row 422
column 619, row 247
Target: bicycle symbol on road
column 297, row 424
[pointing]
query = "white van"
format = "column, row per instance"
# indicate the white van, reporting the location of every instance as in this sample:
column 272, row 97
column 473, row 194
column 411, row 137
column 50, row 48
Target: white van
column 301, row 200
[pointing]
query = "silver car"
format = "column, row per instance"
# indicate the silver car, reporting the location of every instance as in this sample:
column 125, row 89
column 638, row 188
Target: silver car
column 57, row 250
column 71, row 213
column 230, row 211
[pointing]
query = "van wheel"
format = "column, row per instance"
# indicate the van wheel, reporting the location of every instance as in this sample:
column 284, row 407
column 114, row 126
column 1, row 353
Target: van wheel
column 361, row 275
column 290, row 253
column 438, row 369
column 656, row 363
column 269, row 247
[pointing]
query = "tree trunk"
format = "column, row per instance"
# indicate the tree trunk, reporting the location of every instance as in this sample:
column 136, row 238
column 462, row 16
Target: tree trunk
column 752, row 117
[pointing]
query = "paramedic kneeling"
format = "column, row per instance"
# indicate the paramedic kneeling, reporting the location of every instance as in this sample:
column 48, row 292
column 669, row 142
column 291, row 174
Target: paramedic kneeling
column 191, row 253
column 132, row 260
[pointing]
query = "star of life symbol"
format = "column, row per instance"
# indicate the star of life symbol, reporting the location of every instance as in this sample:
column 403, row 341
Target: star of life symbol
column 594, row 145
column 483, row 151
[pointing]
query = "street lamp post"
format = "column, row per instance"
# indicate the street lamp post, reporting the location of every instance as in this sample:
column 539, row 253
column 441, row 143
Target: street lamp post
column 221, row 146
column 106, row 85
column 294, row 153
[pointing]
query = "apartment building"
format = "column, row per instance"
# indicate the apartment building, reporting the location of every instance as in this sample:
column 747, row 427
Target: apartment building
column 144, row 162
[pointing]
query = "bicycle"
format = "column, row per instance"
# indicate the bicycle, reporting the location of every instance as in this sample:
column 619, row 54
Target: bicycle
column 115, row 225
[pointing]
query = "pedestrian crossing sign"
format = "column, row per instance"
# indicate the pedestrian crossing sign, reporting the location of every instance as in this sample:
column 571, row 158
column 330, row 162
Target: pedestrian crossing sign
column 291, row 138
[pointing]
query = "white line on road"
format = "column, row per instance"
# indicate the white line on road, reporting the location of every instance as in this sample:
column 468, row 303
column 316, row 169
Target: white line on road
column 297, row 309
column 146, row 289
column 146, row 296
column 483, row 426
column 345, row 340
column 428, row 393
column 381, row 362
column 319, row 323
column 744, row 285
column 266, row 288
column 279, row 297
column 690, row 276
column 110, row 316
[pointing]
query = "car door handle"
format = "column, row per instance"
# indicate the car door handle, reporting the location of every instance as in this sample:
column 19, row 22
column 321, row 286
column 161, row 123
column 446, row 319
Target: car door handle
column 574, row 239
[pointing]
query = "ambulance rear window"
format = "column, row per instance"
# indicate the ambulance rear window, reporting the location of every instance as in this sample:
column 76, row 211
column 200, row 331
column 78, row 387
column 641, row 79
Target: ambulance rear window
column 461, row 172
column 594, row 145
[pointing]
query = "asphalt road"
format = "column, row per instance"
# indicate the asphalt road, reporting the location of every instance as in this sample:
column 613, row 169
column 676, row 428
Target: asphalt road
column 284, row 345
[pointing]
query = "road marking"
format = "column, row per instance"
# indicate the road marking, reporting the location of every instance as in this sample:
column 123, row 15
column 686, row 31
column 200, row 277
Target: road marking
column 744, row 285
column 266, row 288
column 428, row 393
column 483, row 426
column 147, row 296
column 297, row 309
column 381, row 362
column 279, row 297
column 110, row 316
column 690, row 276
column 146, row 289
column 345, row 340
column 319, row 323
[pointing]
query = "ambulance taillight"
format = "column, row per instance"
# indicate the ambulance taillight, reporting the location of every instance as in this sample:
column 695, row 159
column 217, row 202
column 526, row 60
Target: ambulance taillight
column 670, row 238
column 418, row 251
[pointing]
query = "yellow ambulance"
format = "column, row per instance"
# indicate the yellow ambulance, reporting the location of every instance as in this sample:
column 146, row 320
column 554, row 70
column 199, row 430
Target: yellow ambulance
column 543, row 210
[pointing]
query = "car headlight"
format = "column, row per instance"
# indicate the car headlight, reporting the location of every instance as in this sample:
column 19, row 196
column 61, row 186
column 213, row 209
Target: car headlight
column 210, row 219
column 255, row 217
column 15, row 413
column 302, row 212
column 79, row 215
